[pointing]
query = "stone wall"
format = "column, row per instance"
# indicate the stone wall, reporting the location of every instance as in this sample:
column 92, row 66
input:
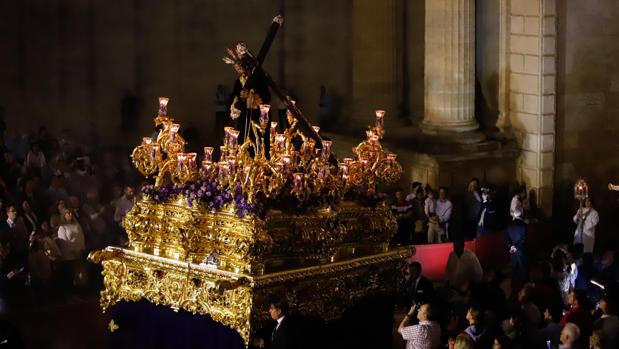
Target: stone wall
column 588, row 97
column 532, row 88
column 68, row 62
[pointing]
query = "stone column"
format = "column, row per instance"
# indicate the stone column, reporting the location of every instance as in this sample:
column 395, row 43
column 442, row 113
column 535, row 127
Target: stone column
column 449, row 67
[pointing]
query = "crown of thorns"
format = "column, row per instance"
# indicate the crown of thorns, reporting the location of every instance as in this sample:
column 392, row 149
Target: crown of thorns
column 236, row 56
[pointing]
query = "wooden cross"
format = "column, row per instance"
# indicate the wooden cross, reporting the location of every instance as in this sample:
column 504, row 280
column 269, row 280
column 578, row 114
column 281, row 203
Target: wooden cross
column 256, row 63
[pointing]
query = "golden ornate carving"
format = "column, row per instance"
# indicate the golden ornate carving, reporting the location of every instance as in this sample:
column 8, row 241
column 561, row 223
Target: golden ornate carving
column 240, row 301
column 191, row 247
column 254, row 246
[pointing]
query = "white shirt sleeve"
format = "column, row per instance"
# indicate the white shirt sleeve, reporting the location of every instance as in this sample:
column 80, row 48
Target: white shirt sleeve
column 62, row 233
column 446, row 214
column 592, row 220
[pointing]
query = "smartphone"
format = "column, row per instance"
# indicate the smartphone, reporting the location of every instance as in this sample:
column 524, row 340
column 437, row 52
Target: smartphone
column 548, row 345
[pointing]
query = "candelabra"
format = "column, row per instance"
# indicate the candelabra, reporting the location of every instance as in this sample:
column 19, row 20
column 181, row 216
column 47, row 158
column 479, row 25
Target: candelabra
column 294, row 166
column 165, row 156
column 581, row 190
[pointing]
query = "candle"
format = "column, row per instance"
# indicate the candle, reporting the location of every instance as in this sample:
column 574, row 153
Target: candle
column 206, row 165
column 234, row 135
column 326, row 148
column 174, row 130
column 264, row 115
column 223, row 171
column 155, row 150
column 280, row 140
column 163, row 105
column 380, row 116
column 227, row 135
column 181, row 160
column 208, row 153
column 191, row 160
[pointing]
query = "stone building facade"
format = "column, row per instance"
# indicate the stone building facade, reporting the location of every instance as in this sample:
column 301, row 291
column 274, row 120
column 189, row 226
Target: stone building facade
column 496, row 89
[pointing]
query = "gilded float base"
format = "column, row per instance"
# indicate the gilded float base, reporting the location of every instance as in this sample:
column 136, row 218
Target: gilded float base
column 240, row 301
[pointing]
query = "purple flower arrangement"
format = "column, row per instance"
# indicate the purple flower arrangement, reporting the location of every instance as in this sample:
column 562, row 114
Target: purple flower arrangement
column 213, row 197
column 207, row 192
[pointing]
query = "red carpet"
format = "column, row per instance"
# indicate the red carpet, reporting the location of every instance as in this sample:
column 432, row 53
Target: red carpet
column 491, row 251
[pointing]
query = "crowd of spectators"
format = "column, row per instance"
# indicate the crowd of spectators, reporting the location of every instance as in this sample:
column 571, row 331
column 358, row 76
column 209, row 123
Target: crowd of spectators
column 566, row 299
column 60, row 198
column 426, row 215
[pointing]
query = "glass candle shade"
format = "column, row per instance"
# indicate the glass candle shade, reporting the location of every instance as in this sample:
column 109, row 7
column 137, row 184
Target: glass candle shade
column 233, row 139
column 326, row 148
column 191, row 160
column 163, row 105
column 174, row 130
column 380, row 118
column 181, row 160
column 264, row 115
column 208, row 153
column 280, row 142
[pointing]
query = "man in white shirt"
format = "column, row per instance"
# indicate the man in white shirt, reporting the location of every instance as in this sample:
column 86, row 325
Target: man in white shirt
column 123, row 205
column 519, row 204
column 426, row 334
column 463, row 267
column 586, row 220
column 443, row 213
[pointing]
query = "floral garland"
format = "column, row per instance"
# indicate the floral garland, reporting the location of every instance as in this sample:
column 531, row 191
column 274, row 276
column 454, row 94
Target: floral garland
column 207, row 192
column 210, row 194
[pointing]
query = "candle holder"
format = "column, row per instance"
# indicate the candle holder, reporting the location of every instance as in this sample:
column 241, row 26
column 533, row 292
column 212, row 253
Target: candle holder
column 295, row 162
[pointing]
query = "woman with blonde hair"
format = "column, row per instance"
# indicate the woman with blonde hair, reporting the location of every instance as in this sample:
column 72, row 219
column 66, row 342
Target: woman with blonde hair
column 463, row 341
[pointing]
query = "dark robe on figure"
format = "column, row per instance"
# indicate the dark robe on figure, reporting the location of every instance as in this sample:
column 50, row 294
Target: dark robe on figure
column 258, row 83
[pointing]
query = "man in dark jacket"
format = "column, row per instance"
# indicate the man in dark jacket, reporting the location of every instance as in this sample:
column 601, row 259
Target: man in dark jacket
column 282, row 336
column 417, row 288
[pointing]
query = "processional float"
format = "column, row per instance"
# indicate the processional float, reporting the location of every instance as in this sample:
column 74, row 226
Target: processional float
column 220, row 237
